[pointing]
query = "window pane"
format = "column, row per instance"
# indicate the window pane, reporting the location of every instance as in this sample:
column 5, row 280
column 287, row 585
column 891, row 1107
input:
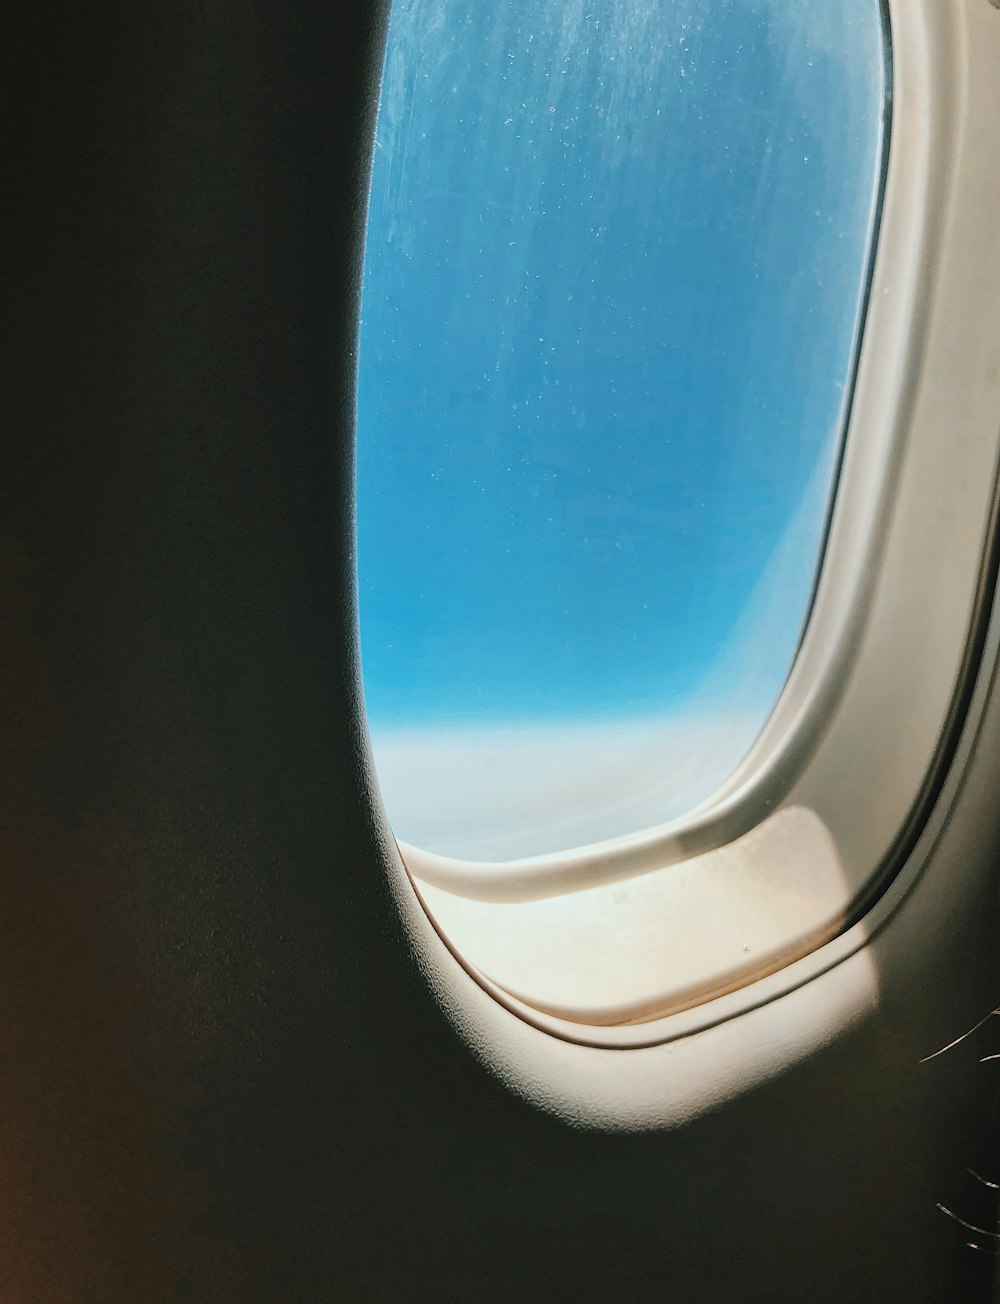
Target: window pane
column 616, row 260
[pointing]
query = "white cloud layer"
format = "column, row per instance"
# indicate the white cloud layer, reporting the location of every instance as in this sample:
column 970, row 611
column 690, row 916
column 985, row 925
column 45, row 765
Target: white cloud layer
column 500, row 793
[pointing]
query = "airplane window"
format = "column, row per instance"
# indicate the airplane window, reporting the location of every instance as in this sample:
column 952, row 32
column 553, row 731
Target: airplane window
column 615, row 271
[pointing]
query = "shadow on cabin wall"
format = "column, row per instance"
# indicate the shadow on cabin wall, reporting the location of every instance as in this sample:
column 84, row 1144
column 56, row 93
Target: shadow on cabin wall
column 220, row 1079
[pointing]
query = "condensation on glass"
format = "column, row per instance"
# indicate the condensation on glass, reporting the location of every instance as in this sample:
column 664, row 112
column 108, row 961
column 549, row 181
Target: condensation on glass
column 615, row 271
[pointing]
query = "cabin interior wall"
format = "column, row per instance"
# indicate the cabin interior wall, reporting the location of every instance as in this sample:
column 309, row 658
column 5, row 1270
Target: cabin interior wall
column 221, row 1075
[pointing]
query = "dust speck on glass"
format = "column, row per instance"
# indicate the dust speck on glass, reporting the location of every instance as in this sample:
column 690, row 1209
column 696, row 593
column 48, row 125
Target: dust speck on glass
column 615, row 268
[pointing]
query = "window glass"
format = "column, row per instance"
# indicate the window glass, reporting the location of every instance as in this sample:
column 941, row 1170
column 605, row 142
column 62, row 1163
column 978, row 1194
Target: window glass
column 616, row 261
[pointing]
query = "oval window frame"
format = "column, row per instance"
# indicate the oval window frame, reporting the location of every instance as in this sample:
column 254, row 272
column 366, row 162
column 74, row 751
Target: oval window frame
column 933, row 246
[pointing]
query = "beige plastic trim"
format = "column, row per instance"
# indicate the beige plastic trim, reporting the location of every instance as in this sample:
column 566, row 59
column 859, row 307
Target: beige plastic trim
column 840, row 766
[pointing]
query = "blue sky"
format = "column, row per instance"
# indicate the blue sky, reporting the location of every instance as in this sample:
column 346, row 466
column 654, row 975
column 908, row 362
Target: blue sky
column 613, row 271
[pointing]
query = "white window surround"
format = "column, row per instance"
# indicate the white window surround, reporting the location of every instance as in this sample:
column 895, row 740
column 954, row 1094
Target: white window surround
column 646, row 940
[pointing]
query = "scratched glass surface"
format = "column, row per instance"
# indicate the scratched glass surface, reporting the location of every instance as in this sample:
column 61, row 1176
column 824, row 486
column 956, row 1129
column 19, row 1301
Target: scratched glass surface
column 615, row 274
